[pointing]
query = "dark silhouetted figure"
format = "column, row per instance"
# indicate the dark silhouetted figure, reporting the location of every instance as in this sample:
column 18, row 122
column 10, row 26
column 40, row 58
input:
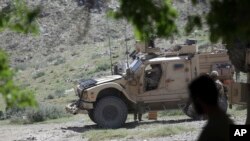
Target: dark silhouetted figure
column 204, row 95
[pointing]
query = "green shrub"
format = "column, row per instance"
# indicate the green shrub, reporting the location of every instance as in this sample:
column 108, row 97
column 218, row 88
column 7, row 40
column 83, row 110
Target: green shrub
column 50, row 96
column 95, row 56
column 59, row 61
column 42, row 81
column 1, row 115
column 51, row 59
column 102, row 67
column 60, row 93
column 21, row 66
column 16, row 115
column 44, row 112
column 31, row 115
column 172, row 112
column 14, row 111
column 38, row 74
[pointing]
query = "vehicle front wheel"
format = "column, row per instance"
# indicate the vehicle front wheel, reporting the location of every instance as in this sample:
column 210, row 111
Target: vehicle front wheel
column 110, row 112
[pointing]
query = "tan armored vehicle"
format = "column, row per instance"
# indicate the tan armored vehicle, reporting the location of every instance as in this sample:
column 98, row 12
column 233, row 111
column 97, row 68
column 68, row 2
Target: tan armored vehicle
column 153, row 81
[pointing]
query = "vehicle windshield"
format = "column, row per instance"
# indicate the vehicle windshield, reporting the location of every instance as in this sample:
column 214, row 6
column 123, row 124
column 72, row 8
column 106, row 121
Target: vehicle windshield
column 135, row 65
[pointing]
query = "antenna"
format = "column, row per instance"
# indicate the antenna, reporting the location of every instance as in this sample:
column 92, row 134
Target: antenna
column 126, row 43
column 109, row 42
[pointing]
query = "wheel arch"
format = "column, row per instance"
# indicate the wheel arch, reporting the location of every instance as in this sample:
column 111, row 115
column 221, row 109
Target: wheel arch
column 113, row 91
column 107, row 88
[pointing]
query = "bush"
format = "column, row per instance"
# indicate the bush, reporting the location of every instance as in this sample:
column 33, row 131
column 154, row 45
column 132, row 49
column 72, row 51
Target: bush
column 60, row 93
column 102, row 67
column 45, row 112
column 21, row 66
column 59, row 61
column 15, row 111
column 95, row 56
column 42, row 81
column 38, row 74
column 16, row 115
column 51, row 59
column 172, row 112
column 1, row 115
column 31, row 115
column 50, row 96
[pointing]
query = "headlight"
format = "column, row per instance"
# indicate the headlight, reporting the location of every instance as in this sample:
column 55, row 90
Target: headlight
column 82, row 94
column 85, row 95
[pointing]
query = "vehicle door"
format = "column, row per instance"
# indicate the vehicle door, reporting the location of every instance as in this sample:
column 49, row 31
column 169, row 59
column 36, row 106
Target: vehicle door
column 152, row 83
column 178, row 75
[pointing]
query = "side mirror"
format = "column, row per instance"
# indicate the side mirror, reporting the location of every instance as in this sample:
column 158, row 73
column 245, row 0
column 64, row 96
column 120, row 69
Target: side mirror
column 116, row 71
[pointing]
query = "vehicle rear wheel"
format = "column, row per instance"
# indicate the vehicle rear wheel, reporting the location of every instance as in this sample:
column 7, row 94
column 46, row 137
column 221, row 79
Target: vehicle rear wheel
column 91, row 115
column 190, row 111
column 110, row 112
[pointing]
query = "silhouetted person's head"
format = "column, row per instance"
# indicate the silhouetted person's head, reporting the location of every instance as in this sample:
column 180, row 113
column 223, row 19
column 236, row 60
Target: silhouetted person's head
column 204, row 93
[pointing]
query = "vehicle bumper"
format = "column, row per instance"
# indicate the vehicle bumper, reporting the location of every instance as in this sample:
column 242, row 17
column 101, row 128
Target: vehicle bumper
column 79, row 107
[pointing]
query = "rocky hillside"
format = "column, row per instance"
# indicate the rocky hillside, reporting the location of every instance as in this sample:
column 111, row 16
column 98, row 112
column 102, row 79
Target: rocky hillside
column 74, row 43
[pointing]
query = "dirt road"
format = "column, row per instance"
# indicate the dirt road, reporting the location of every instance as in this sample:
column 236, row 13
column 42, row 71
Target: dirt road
column 41, row 132
column 80, row 128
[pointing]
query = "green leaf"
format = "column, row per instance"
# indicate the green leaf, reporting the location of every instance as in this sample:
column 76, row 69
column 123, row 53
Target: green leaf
column 148, row 17
column 193, row 21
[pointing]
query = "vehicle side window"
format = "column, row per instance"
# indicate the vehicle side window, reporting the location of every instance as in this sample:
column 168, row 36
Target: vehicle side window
column 153, row 73
column 177, row 67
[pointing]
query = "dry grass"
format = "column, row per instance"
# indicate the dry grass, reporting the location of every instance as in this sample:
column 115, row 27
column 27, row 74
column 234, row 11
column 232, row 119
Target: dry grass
column 140, row 132
column 238, row 113
column 172, row 112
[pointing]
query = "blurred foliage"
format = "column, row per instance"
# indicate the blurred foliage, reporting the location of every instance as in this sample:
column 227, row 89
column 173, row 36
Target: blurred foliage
column 19, row 18
column 193, row 21
column 12, row 94
column 229, row 20
column 149, row 17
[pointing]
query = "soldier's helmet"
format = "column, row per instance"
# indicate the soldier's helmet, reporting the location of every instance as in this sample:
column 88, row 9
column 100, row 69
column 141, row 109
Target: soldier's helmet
column 214, row 74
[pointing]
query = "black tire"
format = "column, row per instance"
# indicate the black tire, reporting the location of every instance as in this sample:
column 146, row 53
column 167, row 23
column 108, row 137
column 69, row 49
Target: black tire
column 190, row 111
column 91, row 115
column 110, row 112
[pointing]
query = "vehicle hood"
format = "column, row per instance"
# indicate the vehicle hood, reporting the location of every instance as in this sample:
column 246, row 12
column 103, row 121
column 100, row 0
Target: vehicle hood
column 106, row 79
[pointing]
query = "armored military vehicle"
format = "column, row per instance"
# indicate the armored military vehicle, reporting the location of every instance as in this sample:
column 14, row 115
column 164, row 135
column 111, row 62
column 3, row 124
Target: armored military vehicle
column 153, row 81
